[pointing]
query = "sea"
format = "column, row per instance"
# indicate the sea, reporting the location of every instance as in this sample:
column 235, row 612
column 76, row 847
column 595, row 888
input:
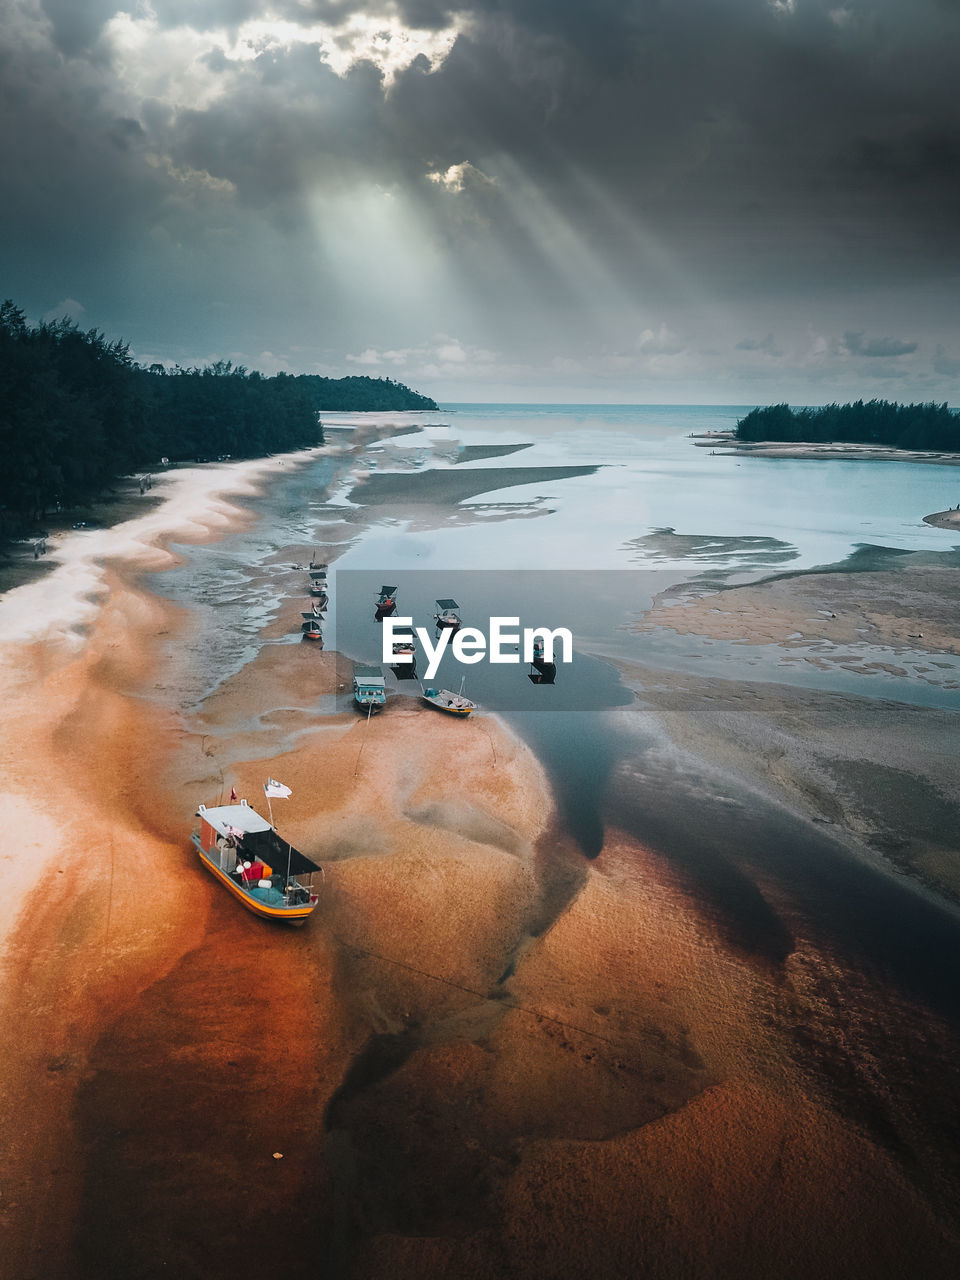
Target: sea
column 654, row 509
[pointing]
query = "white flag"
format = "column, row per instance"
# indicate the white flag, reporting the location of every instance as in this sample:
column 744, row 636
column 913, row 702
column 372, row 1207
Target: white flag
column 274, row 788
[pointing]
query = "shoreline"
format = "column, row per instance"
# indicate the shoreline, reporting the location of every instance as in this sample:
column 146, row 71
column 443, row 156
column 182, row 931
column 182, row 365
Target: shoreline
column 949, row 519
column 484, row 1051
column 726, row 444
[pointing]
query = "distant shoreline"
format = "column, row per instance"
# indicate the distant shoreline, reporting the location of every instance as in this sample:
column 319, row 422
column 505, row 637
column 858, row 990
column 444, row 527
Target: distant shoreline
column 845, row 450
column 944, row 519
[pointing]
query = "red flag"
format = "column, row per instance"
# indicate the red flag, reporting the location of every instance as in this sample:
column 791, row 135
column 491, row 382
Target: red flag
column 233, row 794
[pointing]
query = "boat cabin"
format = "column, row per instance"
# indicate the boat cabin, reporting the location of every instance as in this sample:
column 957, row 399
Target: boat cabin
column 386, row 600
column 369, row 688
column 447, row 615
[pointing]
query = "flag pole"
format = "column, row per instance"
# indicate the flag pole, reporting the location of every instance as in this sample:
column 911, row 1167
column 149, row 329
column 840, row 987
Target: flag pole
column 269, row 806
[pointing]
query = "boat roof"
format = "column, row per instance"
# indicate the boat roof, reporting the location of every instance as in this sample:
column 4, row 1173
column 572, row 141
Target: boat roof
column 239, row 816
column 259, row 838
column 387, row 591
column 448, row 604
column 369, row 675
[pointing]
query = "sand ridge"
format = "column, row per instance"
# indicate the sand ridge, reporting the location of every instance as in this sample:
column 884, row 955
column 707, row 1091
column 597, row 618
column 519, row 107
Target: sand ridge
column 483, row 1056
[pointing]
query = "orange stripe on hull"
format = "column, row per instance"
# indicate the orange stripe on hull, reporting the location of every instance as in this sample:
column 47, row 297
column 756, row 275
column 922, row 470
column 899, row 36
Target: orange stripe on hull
column 290, row 915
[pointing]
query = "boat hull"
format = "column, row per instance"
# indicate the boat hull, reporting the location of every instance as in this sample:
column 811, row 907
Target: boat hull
column 460, row 712
column 287, row 915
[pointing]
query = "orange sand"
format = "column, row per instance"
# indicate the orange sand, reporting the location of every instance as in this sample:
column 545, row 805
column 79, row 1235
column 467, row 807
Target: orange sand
column 481, row 1057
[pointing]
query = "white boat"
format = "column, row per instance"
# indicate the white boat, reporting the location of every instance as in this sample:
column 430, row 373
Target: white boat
column 454, row 704
column 369, row 688
column 245, row 854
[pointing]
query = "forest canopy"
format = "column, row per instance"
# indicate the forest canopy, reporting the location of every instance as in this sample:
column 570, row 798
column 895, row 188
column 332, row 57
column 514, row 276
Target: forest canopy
column 77, row 412
column 902, row 426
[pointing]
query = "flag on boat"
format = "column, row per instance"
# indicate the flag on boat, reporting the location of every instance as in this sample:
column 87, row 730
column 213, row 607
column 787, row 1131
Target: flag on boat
column 274, row 788
column 233, row 795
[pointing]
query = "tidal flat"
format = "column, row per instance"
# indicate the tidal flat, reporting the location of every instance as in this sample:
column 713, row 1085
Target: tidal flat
column 498, row 1048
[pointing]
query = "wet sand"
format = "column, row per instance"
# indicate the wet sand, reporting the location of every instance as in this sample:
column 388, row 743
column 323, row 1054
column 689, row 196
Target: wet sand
column 850, row 451
column 915, row 608
column 944, row 519
column 450, row 487
column 483, row 1056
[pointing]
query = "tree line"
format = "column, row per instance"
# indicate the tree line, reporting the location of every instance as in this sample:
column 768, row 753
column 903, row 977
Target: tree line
column 902, row 426
column 77, row 412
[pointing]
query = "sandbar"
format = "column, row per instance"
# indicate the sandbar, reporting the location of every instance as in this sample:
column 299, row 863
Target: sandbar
column 484, row 1055
column 450, row 487
column 726, row 443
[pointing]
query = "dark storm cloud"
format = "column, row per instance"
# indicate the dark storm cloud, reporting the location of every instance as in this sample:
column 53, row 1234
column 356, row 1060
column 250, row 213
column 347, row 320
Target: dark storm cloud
column 857, row 345
column 75, row 26
column 767, row 345
column 742, row 149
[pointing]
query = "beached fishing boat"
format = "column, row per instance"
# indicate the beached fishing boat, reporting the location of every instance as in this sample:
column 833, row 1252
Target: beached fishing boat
column 454, row 704
column 369, row 688
column 386, row 601
column 446, row 615
column 312, row 626
column 244, row 853
column 318, row 582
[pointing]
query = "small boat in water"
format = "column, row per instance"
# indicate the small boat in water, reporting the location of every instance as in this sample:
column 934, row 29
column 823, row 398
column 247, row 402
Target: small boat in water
column 369, row 688
column 454, row 704
column 386, row 601
column 447, row 615
column 243, row 852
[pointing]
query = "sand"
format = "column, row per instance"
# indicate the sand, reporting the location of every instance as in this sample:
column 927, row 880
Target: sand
column 484, row 1055
column 727, row 443
column 916, row 609
column 944, row 519
column 450, row 487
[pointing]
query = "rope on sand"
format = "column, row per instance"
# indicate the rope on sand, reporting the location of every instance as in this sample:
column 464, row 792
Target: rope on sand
column 364, row 742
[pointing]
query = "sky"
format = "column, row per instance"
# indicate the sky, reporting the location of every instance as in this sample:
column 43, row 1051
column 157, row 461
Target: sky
column 633, row 201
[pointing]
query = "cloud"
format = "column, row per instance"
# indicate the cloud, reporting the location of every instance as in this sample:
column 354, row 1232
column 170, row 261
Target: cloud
column 69, row 308
column 457, row 176
column 944, row 364
column 367, row 357
column 660, row 341
column 765, row 345
column 854, row 343
column 548, row 175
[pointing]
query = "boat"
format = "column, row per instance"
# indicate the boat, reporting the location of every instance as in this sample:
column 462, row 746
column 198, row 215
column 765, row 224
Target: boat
column 318, row 581
column 386, row 601
column 312, row 626
column 404, row 660
column 454, row 704
column 369, row 688
column 446, row 615
column 245, row 854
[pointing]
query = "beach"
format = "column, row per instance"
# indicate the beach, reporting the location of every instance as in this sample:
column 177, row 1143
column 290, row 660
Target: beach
column 486, row 1054
column 836, row 450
